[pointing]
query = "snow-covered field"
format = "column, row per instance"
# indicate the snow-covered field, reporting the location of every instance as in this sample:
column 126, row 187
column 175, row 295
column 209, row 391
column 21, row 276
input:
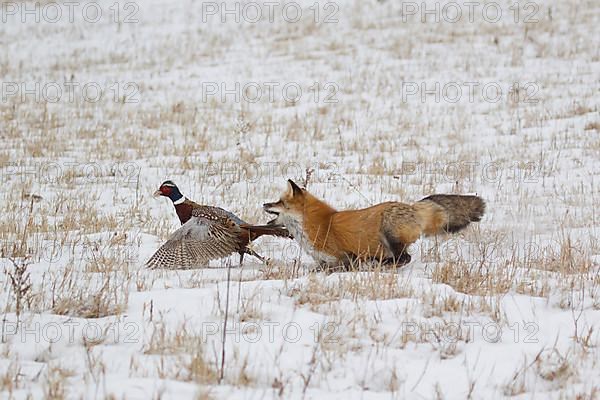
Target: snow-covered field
column 363, row 102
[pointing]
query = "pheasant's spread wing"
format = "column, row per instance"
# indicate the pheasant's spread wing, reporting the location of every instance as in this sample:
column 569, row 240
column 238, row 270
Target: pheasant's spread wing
column 208, row 235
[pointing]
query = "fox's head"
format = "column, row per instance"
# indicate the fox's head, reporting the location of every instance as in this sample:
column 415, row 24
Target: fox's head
column 290, row 205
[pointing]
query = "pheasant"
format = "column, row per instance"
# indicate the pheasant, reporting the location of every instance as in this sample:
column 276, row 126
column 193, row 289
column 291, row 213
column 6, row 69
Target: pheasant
column 207, row 233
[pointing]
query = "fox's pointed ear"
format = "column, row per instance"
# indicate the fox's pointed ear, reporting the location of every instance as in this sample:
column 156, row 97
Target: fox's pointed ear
column 295, row 189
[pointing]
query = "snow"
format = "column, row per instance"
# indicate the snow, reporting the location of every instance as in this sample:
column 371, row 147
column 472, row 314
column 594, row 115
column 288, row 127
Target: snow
column 509, row 307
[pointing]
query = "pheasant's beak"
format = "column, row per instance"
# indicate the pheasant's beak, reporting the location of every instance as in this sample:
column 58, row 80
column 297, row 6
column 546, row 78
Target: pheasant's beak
column 156, row 194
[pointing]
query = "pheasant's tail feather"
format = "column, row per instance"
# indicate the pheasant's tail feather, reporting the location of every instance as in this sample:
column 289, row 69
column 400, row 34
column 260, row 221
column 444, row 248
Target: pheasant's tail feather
column 458, row 211
column 256, row 231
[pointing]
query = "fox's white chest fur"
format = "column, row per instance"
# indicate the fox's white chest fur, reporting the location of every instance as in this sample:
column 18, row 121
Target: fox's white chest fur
column 294, row 226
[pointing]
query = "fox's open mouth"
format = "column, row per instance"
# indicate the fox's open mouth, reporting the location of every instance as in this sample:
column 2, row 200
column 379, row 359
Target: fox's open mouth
column 268, row 207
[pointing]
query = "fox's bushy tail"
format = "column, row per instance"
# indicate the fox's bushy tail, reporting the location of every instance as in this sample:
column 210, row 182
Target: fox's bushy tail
column 458, row 212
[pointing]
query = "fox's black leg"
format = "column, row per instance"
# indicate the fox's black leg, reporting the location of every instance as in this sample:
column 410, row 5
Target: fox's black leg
column 398, row 261
column 399, row 254
column 322, row 266
column 350, row 262
column 404, row 258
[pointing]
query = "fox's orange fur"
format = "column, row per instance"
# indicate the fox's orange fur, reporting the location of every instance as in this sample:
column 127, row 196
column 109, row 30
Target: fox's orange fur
column 381, row 232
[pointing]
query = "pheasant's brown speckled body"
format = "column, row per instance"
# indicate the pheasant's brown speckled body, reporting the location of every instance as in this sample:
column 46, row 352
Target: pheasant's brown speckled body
column 207, row 233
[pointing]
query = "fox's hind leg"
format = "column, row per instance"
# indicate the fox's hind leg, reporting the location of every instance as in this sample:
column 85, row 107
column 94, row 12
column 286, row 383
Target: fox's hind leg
column 398, row 260
column 397, row 250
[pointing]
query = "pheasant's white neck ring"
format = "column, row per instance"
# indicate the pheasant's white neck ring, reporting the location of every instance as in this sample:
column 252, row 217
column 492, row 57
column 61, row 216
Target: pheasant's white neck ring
column 179, row 201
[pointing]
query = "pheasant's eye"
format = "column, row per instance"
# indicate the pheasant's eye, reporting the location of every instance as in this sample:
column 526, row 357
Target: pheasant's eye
column 165, row 190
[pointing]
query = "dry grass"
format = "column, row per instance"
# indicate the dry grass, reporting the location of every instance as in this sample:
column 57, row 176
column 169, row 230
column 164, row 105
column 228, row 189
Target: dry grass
column 86, row 297
column 56, row 383
column 353, row 286
column 188, row 350
column 81, row 227
column 475, row 278
column 550, row 365
column 10, row 380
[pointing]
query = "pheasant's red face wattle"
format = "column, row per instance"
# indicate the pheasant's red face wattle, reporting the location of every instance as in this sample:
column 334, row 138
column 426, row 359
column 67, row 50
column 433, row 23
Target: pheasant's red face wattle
column 163, row 191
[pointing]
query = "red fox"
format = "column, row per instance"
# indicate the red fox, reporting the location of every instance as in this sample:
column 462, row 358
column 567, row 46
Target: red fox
column 382, row 232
